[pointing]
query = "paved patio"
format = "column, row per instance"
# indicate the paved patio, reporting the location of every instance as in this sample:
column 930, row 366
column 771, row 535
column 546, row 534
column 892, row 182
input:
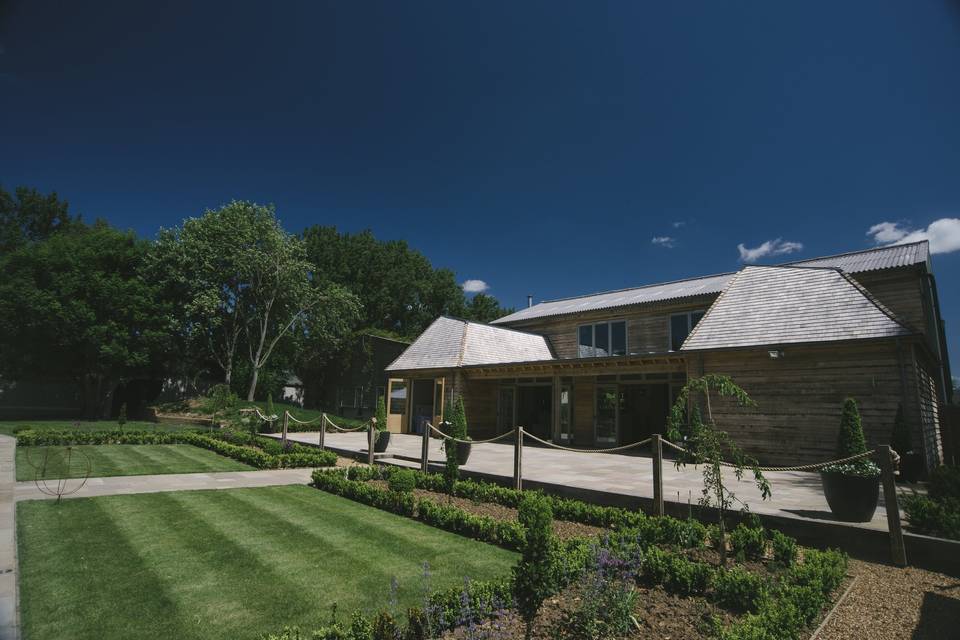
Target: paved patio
column 795, row 493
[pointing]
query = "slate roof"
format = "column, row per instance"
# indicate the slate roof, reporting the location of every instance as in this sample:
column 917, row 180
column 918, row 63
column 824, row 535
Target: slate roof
column 791, row 304
column 852, row 262
column 450, row 343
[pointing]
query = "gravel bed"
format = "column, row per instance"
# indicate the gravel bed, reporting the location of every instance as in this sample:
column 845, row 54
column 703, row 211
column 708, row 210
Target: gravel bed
column 888, row 603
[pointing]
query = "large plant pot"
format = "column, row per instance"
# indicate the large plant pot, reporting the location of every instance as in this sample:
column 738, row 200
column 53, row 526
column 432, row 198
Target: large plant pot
column 851, row 498
column 463, row 451
column 911, row 466
column 381, row 442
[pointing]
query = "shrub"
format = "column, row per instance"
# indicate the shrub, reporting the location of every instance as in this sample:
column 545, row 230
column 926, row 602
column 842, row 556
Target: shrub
column 739, row 590
column 602, row 611
column 933, row 517
column 945, row 482
column 534, row 574
column 381, row 414
column 784, row 549
column 456, row 425
column 385, row 627
column 402, row 481
column 748, row 542
column 851, row 442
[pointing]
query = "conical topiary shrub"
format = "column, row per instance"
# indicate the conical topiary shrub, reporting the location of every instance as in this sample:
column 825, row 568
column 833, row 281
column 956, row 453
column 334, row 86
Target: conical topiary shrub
column 851, row 440
column 851, row 488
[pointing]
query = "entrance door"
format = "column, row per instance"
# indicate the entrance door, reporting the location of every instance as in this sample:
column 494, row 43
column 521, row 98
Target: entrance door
column 396, row 404
column 506, row 409
column 566, row 413
column 605, row 421
column 534, row 410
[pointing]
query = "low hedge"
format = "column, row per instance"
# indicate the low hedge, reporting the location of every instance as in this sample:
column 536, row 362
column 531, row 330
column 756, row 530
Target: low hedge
column 252, row 456
column 938, row 513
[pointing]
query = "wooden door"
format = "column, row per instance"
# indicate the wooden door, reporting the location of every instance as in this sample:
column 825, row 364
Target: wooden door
column 397, row 393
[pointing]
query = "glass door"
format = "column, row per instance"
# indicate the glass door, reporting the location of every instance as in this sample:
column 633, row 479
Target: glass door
column 396, row 404
column 507, row 409
column 606, row 415
column 566, row 414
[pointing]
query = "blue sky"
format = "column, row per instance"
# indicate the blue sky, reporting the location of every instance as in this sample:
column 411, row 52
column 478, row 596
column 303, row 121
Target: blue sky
column 540, row 147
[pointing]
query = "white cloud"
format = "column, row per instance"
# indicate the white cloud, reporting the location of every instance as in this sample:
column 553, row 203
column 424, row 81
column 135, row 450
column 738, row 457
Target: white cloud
column 664, row 241
column 943, row 234
column 776, row 247
column 475, row 286
column 679, row 223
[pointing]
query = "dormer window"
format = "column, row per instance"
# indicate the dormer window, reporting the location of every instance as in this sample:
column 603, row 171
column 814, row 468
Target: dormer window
column 602, row 339
column 681, row 324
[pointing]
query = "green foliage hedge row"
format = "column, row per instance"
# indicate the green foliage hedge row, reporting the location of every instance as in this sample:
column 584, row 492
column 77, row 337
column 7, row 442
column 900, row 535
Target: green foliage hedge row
column 254, row 457
column 937, row 513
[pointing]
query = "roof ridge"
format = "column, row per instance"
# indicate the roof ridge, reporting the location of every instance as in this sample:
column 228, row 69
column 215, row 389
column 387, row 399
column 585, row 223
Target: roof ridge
column 852, row 253
column 493, row 326
column 463, row 344
column 642, row 286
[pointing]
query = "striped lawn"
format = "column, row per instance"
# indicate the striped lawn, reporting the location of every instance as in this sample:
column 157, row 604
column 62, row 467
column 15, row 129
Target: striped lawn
column 121, row 460
column 225, row 564
column 11, row 427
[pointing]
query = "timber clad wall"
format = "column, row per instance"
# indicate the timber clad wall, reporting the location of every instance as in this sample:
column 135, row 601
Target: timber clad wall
column 648, row 326
column 480, row 405
column 901, row 291
column 800, row 396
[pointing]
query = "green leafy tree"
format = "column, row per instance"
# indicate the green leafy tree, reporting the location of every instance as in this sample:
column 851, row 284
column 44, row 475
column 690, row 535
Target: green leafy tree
column 29, row 216
column 456, row 426
column 485, row 308
column 76, row 306
column 534, row 575
column 245, row 280
column 712, row 447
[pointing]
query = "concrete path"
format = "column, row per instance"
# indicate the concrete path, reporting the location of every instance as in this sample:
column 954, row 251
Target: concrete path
column 171, row 482
column 9, row 605
column 795, row 494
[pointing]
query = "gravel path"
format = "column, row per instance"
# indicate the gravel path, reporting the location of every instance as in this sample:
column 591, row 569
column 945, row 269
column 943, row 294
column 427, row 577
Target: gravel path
column 888, row 603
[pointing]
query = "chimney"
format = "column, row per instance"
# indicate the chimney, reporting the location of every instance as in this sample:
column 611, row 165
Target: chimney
column 529, row 300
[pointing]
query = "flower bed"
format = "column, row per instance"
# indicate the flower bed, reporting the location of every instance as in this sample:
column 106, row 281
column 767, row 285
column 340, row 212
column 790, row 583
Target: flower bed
column 773, row 590
column 249, row 453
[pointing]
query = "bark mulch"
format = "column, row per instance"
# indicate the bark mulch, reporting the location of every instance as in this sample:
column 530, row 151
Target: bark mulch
column 563, row 529
column 889, row 603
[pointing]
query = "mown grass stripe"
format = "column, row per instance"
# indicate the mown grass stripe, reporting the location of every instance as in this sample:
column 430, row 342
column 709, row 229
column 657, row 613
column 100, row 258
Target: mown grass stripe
column 206, row 568
column 80, row 575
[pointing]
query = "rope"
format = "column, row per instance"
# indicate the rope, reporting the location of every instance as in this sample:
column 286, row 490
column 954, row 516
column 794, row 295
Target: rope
column 449, row 437
column 293, row 418
column 339, row 428
column 801, row 467
column 610, row 450
column 265, row 418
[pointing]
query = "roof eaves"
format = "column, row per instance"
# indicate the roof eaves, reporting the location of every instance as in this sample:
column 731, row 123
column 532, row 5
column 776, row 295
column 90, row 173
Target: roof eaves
column 711, row 307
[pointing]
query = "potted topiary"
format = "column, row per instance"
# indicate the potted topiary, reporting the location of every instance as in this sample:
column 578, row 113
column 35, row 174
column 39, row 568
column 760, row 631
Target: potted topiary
column 910, row 461
column 852, row 489
column 383, row 434
column 456, row 426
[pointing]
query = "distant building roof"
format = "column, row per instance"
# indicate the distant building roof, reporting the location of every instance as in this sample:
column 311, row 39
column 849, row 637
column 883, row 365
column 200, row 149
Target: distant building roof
column 450, row 343
column 791, row 304
column 853, row 262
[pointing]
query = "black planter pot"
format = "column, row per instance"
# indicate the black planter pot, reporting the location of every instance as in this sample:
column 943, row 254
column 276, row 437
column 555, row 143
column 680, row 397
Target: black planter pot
column 911, row 466
column 380, row 444
column 463, row 451
column 851, row 498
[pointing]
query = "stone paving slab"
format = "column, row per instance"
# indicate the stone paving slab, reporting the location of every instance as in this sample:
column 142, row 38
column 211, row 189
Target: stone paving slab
column 9, row 597
column 116, row 485
column 795, row 493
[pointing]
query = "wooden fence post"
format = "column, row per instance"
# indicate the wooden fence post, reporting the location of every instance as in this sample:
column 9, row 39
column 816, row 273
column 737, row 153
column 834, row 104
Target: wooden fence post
column 657, row 445
column 898, row 551
column 286, row 424
column 370, row 441
column 425, row 448
column 518, row 460
column 323, row 429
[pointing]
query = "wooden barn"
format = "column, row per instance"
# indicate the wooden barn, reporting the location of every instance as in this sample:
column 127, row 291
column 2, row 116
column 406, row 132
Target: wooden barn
column 603, row 369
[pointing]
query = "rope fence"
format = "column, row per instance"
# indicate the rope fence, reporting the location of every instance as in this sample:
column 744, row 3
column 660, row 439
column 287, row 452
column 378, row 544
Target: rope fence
column 449, row 437
column 801, row 467
column 641, row 443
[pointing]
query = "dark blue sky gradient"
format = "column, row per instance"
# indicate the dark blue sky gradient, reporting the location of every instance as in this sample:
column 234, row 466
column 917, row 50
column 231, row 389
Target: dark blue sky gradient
column 538, row 146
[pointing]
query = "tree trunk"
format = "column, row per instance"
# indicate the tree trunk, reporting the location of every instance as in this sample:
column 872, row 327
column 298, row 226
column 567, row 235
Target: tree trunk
column 253, row 384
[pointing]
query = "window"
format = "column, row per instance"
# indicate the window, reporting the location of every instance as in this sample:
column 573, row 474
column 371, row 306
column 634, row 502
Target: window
column 602, row 339
column 681, row 324
column 346, row 397
column 398, row 398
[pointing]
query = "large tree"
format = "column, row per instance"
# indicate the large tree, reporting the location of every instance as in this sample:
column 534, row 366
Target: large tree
column 400, row 290
column 246, row 286
column 28, row 215
column 76, row 306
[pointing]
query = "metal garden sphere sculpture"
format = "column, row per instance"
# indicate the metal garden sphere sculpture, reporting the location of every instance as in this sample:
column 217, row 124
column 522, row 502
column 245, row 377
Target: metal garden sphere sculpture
column 59, row 471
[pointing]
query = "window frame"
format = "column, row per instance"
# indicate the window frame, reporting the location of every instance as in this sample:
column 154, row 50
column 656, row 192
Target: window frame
column 593, row 339
column 690, row 325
